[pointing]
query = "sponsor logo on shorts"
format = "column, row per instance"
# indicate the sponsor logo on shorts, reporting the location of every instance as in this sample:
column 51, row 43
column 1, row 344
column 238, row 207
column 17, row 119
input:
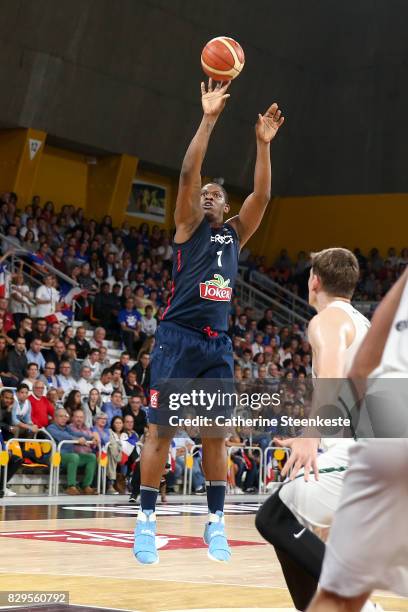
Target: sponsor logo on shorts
column 154, row 398
column 216, row 289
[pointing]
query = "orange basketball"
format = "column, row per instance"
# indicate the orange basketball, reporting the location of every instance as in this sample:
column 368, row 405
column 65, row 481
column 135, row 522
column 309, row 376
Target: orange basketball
column 222, row 58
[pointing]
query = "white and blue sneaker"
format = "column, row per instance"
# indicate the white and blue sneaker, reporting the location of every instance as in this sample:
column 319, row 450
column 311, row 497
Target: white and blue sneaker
column 215, row 538
column 144, row 547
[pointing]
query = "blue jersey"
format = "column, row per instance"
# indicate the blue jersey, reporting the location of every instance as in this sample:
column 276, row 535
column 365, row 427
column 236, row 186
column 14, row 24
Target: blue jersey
column 204, row 272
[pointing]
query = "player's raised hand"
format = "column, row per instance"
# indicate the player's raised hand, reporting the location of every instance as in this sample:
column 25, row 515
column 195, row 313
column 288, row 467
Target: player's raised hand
column 213, row 99
column 303, row 456
column 268, row 124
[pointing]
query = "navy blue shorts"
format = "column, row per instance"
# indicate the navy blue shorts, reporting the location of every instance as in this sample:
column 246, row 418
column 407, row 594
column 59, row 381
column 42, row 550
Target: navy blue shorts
column 184, row 353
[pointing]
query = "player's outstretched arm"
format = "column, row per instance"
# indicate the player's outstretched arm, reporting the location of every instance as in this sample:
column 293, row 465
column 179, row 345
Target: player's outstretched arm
column 369, row 354
column 188, row 213
column 253, row 209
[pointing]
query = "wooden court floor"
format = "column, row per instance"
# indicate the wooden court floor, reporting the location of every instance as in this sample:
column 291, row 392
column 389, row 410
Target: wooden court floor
column 89, row 554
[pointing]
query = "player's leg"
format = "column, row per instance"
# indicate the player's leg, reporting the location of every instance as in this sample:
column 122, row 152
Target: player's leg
column 372, row 512
column 329, row 602
column 153, row 459
column 215, row 470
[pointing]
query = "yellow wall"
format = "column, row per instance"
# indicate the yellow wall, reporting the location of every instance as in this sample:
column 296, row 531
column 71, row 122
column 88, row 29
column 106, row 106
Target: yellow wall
column 171, row 186
column 62, row 177
column 313, row 223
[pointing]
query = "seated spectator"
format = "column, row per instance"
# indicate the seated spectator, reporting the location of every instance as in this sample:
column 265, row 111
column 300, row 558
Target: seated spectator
column 114, row 455
column 52, row 397
column 101, row 428
column 42, row 411
column 82, row 345
column 65, row 380
column 17, row 359
column 133, row 462
column 8, row 378
column 104, row 385
column 79, row 427
column 24, row 329
column 32, row 375
column 114, row 407
column 98, row 339
column 71, row 460
column 50, row 380
column 92, row 407
column 184, row 444
column 129, row 320
column 123, row 363
column 132, row 388
column 148, row 324
column 117, row 382
column 92, row 361
column 71, row 356
column 41, row 333
column 57, row 355
column 134, row 407
column 84, row 384
column 7, row 432
column 73, row 401
column 104, row 361
column 34, row 354
column 142, row 371
column 21, row 412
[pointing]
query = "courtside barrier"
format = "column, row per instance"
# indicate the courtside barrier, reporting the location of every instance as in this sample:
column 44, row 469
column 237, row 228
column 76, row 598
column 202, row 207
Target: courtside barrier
column 57, row 464
column 4, row 458
column 278, row 453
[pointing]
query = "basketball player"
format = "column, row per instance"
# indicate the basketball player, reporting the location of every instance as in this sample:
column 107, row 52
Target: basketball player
column 368, row 542
column 302, row 504
column 191, row 341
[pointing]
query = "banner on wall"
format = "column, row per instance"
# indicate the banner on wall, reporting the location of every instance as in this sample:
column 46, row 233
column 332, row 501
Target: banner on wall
column 147, row 201
column 33, row 147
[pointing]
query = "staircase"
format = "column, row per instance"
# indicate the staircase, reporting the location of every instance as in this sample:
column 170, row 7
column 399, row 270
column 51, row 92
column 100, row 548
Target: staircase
column 261, row 293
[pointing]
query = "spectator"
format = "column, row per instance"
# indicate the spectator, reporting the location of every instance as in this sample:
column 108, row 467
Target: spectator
column 8, row 378
column 21, row 299
column 50, row 379
column 24, row 330
column 71, row 460
column 117, row 382
column 148, row 322
column 98, row 340
column 65, row 380
column 114, row 454
column 21, row 412
column 266, row 320
column 34, row 354
column 79, row 427
column 92, row 361
column 129, row 320
column 84, row 384
column 124, row 363
column 134, row 408
column 17, row 359
column 142, row 371
column 184, row 444
column 47, row 297
column 82, row 345
column 73, row 402
column 8, row 431
column 132, row 388
column 114, row 407
column 42, row 412
column 92, row 407
column 104, row 361
column 71, row 357
column 104, row 385
column 57, row 355
column 32, row 375
column 101, row 428
column 133, row 462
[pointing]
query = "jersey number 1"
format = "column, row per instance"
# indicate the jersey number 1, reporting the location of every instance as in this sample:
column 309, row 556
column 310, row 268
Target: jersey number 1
column 219, row 253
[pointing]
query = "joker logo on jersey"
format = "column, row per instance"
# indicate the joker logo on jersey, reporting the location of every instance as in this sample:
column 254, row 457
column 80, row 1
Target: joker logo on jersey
column 216, row 289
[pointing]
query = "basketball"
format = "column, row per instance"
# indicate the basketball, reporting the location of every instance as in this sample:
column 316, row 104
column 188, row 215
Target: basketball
column 222, row 58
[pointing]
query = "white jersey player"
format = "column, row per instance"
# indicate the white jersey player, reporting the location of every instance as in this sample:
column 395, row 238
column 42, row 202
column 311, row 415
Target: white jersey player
column 305, row 503
column 368, row 543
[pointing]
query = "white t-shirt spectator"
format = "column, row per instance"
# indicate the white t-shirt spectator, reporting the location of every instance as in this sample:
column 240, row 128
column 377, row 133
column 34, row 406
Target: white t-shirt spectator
column 105, row 390
column 84, row 386
column 17, row 306
column 148, row 326
column 47, row 293
column 257, row 348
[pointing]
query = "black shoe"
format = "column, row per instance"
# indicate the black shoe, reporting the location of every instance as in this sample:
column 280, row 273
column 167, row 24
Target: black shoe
column 132, row 499
column 200, row 491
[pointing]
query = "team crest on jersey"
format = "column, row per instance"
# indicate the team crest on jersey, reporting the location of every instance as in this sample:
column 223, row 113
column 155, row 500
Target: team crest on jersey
column 216, row 289
column 228, row 239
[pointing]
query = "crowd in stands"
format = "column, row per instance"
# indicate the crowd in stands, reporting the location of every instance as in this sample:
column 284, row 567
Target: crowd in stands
column 63, row 379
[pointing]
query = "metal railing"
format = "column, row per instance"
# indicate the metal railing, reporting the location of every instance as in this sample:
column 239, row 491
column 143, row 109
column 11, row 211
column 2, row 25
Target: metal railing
column 18, row 440
column 270, row 449
column 260, row 301
column 286, row 297
column 58, row 467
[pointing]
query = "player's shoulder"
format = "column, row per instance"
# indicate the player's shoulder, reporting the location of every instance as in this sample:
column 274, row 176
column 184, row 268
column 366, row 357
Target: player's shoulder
column 329, row 317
